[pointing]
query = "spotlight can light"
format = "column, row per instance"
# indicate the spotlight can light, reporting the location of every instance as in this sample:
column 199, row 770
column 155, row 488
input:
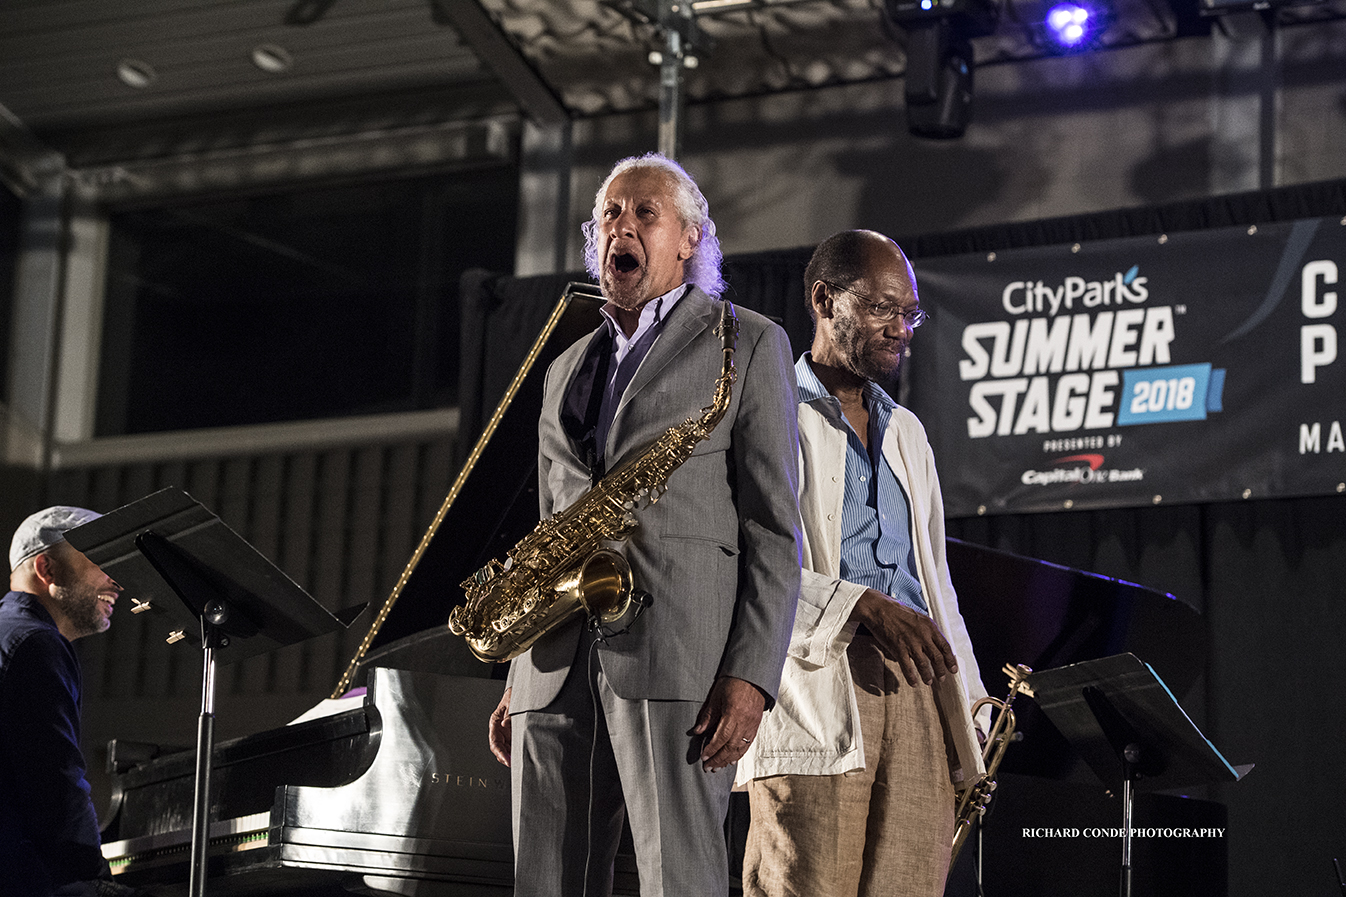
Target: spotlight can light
column 1068, row 21
column 940, row 60
column 1070, row 25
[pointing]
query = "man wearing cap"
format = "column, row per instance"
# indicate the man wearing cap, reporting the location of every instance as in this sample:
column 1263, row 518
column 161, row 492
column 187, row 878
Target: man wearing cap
column 49, row 842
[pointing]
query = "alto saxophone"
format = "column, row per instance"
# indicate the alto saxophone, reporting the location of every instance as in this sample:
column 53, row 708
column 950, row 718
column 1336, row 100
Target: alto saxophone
column 560, row 569
column 972, row 802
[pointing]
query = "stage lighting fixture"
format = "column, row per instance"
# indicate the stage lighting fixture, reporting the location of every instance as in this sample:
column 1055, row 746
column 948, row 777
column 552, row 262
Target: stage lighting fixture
column 938, row 88
column 971, row 18
column 939, row 83
column 1068, row 26
column 1068, row 23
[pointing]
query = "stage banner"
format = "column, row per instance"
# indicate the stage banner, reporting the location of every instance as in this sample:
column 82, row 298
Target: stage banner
column 1192, row 367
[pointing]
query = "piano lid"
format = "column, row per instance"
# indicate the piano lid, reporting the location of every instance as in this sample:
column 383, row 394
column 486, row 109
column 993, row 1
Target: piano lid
column 491, row 505
column 1022, row 610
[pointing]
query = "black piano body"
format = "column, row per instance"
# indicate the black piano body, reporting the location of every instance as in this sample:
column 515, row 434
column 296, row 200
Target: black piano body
column 397, row 794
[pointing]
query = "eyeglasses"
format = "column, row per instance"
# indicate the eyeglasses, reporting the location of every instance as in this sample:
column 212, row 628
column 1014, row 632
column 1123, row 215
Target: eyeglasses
column 884, row 312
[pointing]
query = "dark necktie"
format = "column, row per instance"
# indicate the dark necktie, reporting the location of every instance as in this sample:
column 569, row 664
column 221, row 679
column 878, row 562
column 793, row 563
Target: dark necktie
column 584, row 400
column 625, row 371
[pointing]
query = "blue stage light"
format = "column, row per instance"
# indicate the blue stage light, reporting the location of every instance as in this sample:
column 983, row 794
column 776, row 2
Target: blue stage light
column 1068, row 24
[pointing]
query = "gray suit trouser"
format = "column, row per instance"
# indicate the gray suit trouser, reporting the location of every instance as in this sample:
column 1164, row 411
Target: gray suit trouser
column 589, row 758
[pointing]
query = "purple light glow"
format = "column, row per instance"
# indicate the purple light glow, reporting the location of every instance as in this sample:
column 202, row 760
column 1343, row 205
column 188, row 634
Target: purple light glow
column 1068, row 23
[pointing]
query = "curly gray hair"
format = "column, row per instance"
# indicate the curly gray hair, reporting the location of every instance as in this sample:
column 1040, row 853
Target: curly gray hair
column 703, row 268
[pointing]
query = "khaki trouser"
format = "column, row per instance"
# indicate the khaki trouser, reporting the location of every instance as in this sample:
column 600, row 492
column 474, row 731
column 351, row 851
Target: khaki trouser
column 884, row 831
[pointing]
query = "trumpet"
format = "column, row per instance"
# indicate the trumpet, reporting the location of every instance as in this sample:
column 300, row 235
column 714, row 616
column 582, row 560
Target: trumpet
column 973, row 801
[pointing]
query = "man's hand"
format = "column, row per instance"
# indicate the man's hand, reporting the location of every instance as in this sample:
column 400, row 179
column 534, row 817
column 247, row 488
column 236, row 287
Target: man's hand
column 729, row 721
column 907, row 637
column 498, row 733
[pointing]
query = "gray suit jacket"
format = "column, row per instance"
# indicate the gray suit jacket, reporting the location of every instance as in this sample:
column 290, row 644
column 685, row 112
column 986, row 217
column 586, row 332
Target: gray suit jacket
column 719, row 552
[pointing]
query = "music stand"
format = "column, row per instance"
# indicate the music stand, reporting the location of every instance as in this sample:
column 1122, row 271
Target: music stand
column 1122, row 719
column 172, row 556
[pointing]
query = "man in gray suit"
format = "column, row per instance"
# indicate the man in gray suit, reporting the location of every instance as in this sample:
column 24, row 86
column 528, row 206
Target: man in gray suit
column 598, row 727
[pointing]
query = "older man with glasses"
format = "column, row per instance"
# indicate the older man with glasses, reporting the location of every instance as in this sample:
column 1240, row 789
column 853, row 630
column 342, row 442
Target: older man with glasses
column 853, row 773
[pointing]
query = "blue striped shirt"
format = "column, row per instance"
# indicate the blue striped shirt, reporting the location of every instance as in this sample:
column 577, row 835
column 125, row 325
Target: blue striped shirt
column 876, row 545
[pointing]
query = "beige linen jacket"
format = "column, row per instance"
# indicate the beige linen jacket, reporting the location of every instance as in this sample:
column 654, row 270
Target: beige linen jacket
column 814, row 729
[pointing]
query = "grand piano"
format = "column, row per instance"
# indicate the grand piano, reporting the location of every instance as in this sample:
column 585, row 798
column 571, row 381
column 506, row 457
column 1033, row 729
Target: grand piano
column 389, row 787
column 388, row 794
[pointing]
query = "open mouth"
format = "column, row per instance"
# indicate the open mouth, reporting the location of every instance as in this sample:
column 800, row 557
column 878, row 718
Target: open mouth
column 625, row 263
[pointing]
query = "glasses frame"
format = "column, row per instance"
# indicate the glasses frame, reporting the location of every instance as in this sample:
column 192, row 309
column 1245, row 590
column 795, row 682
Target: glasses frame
column 884, row 312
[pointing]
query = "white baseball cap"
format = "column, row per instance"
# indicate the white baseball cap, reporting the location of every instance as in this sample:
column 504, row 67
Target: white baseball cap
column 45, row 529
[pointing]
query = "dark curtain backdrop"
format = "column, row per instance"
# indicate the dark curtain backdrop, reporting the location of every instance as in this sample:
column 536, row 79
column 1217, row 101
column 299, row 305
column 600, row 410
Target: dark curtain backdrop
column 1269, row 576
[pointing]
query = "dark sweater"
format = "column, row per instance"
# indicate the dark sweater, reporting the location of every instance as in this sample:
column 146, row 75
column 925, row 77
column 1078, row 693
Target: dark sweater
column 48, row 827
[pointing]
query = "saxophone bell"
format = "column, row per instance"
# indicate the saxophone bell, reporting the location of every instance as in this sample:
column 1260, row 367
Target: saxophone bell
column 608, row 594
column 603, row 586
column 600, row 587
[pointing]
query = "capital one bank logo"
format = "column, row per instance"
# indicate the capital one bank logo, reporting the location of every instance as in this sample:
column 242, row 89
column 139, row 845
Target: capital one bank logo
column 1080, row 469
